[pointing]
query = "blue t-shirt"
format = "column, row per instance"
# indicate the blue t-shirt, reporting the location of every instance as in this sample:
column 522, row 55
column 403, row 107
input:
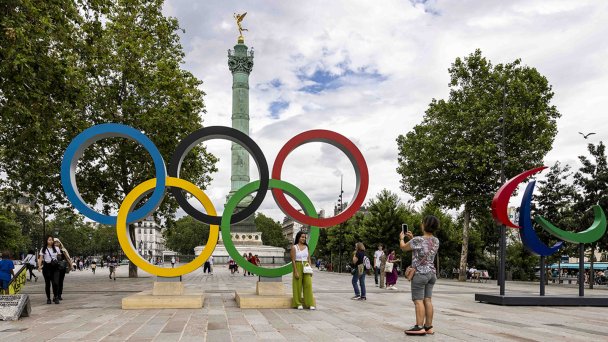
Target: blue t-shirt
column 5, row 269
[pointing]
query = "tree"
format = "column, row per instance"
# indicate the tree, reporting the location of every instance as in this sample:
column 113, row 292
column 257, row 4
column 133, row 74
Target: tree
column 556, row 201
column 42, row 92
column 69, row 65
column 185, row 234
column 382, row 224
column 10, row 233
column 75, row 235
column 452, row 157
column 592, row 179
column 136, row 79
column 272, row 232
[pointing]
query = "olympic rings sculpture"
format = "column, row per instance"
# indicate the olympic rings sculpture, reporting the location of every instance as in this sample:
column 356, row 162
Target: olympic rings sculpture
column 163, row 178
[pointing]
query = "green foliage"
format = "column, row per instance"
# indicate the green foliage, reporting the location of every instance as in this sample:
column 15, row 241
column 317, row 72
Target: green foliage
column 11, row 239
column 382, row 223
column 556, row 201
column 69, row 65
column 185, row 234
column 272, row 231
column 452, row 157
column 592, row 179
column 520, row 262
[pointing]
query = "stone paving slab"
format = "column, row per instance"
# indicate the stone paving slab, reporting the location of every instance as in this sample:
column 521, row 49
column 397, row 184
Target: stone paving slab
column 91, row 311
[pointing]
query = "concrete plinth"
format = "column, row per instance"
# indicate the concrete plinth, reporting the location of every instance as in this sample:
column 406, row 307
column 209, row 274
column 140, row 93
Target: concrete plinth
column 165, row 295
column 268, row 295
column 146, row 300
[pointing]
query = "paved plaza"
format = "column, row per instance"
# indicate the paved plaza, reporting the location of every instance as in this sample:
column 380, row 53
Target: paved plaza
column 91, row 311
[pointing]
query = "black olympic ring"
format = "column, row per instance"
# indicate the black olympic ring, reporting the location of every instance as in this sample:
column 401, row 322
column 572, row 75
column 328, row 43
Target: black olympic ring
column 236, row 136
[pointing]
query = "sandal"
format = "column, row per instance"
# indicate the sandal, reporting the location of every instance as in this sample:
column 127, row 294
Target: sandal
column 415, row 331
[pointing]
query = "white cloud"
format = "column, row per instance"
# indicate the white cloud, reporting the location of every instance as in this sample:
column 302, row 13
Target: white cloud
column 409, row 48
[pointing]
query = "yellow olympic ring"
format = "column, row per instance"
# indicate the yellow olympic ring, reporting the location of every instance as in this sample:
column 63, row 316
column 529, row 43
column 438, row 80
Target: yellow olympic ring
column 127, row 245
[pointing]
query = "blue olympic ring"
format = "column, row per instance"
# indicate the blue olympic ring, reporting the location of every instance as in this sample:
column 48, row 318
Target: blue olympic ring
column 88, row 137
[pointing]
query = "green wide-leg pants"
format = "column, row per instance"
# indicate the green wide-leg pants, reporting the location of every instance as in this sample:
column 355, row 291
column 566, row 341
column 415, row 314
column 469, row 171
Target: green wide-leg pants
column 302, row 285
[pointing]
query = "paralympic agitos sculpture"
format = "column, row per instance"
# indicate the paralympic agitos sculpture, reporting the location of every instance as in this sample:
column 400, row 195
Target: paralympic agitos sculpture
column 528, row 236
column 126, row 214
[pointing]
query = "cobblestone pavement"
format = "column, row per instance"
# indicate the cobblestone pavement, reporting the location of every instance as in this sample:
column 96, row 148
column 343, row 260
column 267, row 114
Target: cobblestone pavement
column 91, row 311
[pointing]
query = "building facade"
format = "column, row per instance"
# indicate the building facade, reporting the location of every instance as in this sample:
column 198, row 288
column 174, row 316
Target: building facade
column 149, row 240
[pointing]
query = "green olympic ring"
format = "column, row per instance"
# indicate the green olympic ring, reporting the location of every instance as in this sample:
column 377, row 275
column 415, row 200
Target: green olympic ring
column 292, row 191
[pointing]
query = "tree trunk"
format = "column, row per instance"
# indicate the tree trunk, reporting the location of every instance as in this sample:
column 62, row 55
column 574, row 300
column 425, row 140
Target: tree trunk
column 462, row 276
column 132, row 270
column 132, row 266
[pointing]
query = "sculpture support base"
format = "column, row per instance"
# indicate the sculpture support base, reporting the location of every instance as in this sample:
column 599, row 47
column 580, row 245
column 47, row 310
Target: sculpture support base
column 534, row 300
column 269, row 294
column 168, row 293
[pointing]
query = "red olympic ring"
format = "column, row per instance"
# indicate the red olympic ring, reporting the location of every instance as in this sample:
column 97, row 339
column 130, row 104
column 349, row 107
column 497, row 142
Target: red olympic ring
column 351, row 151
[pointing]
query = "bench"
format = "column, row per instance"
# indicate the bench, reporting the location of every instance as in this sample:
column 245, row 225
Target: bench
column 480, row 275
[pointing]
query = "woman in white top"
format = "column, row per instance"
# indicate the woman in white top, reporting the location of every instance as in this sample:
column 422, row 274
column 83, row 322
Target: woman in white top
column 47, row 262
column 30, row 263
column 301, row 282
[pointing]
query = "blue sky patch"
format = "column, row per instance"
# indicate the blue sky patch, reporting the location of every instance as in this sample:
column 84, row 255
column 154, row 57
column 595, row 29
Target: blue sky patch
column 276, row 107
column 324, row 80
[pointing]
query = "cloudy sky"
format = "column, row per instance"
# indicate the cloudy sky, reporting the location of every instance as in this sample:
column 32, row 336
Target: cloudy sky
column 369, row 71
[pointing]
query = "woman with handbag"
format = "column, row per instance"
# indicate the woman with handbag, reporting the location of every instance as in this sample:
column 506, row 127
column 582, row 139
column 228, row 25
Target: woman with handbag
column 48, row 264
column 302, row 274
column 391, row 271
column 422, row 273
column 64, row 266
column 358, row 271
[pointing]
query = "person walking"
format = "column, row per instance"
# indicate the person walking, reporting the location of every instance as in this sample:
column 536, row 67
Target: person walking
column 250, row 259
column 64, row 266
column 112, row 265
column 47, row 263
column 30, row 263
column 377, row 255
column 207, row 267
column 358, row 272
column 424, row 248
column 6, row 272
column 93, row 265
column 231, row 264
column 301, row 282
column 382, row 271
column 210, row 264
column 172, row 262
column 393, row 275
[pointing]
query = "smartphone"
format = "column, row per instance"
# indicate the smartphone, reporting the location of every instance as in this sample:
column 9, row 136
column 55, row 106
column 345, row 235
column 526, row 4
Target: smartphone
column 404, row 227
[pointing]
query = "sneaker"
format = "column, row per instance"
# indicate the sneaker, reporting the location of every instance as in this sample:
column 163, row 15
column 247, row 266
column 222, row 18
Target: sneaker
column 313, row 308
column 429, row 330
column 300, row 307
column 391, row 287
column 55, row 300
column 362, row 298
column 355, row 297
column 59, row 298
column 394, row 287
column 48, row 301
column 415, row 330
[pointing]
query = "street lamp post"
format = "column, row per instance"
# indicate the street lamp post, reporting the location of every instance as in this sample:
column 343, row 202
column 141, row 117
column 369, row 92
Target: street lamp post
column 503, row 237
column 341, row 243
